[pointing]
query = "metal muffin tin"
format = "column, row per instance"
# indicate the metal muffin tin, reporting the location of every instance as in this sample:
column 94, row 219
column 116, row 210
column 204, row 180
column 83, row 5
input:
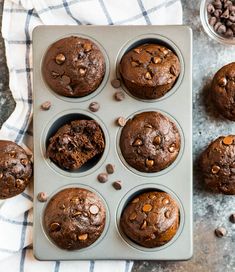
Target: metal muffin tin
column 176, row 180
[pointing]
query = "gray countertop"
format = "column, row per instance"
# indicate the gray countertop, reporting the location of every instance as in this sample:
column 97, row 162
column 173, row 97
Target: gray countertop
column 211, row 254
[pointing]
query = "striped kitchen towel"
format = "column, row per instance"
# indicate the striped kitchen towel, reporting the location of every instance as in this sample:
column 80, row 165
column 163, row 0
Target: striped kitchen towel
column 19, row 19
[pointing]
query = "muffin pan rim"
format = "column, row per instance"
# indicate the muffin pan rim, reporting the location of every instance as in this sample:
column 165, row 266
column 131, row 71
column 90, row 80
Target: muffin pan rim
column 132, row 43
column 53, row 165
column 96, row 91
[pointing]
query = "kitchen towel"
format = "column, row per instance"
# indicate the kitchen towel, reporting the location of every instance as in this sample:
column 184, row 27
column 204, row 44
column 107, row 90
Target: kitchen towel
column 19, row 19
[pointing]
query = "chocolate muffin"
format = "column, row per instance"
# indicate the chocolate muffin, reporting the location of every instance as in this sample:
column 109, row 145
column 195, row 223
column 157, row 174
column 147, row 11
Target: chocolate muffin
column 76, row 143
column 151, row 219
column 15, row 169
column 217, row 164
column 223, row 91
column 150, row 142
column 149, row 71
column 73, row 67
column 74, row 218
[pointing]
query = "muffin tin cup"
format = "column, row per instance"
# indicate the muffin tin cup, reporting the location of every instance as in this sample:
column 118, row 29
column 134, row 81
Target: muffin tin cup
column 175, row 180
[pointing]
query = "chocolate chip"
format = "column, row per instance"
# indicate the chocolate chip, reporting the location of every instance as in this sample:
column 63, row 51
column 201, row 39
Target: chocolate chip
column 60, row 59
column 94, row 106
column 24, row 162
column 173, row 70
column 171, row 148
column 110, row 168
column 138, row 142
column 116, row 83
column 121, row 121
column 135, row 200
column 232, row 18
column 220, row 232
column 42, row 197
column 148, row 76
column 232, row 218
column 222, row 82
column 221, row 29
column 228, row 33
column 46, row 105
column 144, row 225
column 77, row 213
column 87, row 47
column 157, row 140
column 215, row 169
column 134, row 64
column 1, row 175
column 147, row 208
column 212, row 21
column 133, row 216
column 149, row 163
column 217, row 13
column 19, row 183
column 65, row 79
column 102, row 177
column 137, row 50
column 117, row 185
column 94, row 209
column 167, row 214
column 12, row 153
column 217, row 4
column 165, row 201
column 55, row 227
column 83, row 237
column 82, row 71
column 210, row 8
column 217, row 25
column 225, row 14
column 119, row 96
column 157, row 60
column 228, row 140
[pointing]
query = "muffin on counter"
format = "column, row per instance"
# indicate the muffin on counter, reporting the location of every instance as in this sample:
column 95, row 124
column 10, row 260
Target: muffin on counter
column 223, row 91
column 149, row 71
column 150, row 142
column 74, row 218
column 217, row 164
column 151, row 219
column 73, row 67
column 76, row 143
column 15, row 169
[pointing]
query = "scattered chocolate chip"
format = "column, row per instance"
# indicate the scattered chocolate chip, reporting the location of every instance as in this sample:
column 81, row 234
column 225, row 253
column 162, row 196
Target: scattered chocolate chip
column 147, row 208
column 102, row 177
column 222, row 82
column 94, row 209
column 1, row 175
column 137, row 50
column 134, row 64
column 55, row 227
column 42, row 197
column 19, row 183
column 65, row 79
column 135, row 200
column 24, row 162
column 212, row 21
column 133, row 216
column 165, row 201
column 117, row 185
column 110, row 168
column 215, row 169
column 121, row 121
column 82, row 71
column 220, row 232
column 210, row 8
column 94, row 106
column 232, row 218
column 46, row 105
column 144, row 225
column 171, row 148
column 87, row 47
column 83, row 237
column 157, row 60
column 149, row 163
column 116, row 83
column 137, row 142
column 12, row 153
column 157, row 140
column 119, row 96
column 148, row 76
column 221, row 29
column 60, row 59
column 228, row 140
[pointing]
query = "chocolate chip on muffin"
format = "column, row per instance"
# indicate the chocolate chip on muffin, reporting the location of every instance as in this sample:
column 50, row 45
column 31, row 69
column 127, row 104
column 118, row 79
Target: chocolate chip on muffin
column 149, row 71
column 150, row 142
column 218, row 166
column 223, row 91
column 15, row 169
column 151, row 219
column 76, row 143
column 74, row 218
column 73, row 67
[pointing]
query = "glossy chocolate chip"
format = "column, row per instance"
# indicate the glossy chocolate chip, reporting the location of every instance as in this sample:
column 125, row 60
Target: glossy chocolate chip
column 46, row 105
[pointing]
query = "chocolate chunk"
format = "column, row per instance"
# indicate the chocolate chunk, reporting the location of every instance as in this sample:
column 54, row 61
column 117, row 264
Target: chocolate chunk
column 232, row 218
column 55, row 227
column 116, row 83
column 138, row 142
column 102, row 177
column 121, row 121
column 42, row 197
column 215, row 169
column 157, row 60
column 148, row 76
column 135, row 200
column 149, row 163
column 46, row 105
column 60, row 59
column 144, row 225
column 83, row 237
column 119, row 96
column 110, row 168
column 87, row 47
column 94, row 106
column 221, row 29
column 210, row 8
column 220, row 232
column 157, row 140
column 212, row 21
column 117, row 185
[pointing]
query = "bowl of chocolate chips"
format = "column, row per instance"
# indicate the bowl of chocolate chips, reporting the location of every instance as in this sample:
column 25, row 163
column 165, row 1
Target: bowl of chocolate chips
column 218, row 20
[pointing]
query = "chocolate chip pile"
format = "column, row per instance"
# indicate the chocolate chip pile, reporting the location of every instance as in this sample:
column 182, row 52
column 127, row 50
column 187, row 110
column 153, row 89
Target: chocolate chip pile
column 221, row 17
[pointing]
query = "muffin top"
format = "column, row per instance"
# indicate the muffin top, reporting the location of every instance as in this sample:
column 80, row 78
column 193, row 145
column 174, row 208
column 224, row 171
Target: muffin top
column 223, row 91
column 74, row 218
column 76, row 143
column 151, row 219
column 73, row 67
column 149, row 67
column 15, row 169
column 217, row 163
column 150, row 142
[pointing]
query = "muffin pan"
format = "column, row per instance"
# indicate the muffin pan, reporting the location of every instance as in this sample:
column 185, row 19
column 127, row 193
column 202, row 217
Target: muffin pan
column 176, row 180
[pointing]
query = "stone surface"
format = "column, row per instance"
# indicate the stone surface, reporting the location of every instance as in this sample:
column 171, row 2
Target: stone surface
column 210, row 211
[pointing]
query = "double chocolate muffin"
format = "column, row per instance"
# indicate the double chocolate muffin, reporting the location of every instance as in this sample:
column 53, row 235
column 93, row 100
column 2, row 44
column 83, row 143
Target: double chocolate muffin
column 74, row 218
column 151, row 219
column 223, row 91
column 150, row 142
column 15, row 169
column 76, row 143
column 149, row 71
column 73, row 67
column 217, row 164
